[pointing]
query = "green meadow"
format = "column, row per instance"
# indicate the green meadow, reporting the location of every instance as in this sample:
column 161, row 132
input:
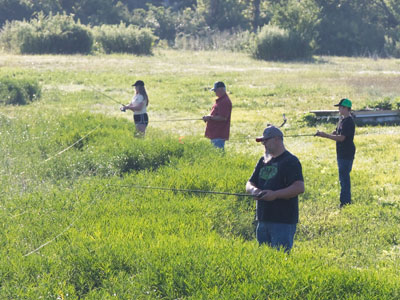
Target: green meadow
column 75, row 225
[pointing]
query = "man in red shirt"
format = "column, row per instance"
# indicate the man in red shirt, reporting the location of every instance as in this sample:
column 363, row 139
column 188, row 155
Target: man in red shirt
column 219, row 119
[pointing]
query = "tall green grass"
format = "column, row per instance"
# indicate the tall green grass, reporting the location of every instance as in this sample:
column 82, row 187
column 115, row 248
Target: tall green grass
column 77, row 226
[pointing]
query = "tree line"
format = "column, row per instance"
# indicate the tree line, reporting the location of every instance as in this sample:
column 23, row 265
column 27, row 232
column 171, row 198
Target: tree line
column 329, row 27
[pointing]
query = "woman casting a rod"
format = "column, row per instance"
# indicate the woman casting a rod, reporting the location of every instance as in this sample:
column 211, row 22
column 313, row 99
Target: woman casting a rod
column 138, row 105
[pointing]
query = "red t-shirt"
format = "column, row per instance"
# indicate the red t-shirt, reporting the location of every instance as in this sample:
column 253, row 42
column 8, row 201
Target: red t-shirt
column 220, row 129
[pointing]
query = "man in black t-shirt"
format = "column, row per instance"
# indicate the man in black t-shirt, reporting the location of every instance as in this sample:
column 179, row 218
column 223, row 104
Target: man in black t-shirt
column 345, row 148
column 276, row 182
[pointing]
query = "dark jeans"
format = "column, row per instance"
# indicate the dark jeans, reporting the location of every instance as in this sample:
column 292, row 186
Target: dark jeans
column 277, row 235
column 345, row 166
column 218, row 143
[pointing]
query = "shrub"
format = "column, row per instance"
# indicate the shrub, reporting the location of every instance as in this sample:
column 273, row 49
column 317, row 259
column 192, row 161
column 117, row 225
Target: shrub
column 392, row 45
column 273, row 43
column 382, row 104
column 18, row 91
column 124, row 39
column 309, row 119
column 58, row 34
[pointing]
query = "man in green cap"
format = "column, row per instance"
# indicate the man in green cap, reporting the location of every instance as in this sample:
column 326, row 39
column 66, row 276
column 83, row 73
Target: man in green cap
column 345, row 148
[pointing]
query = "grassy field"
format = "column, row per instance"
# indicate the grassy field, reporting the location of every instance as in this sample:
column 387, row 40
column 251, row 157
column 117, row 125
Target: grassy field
column 75, row 227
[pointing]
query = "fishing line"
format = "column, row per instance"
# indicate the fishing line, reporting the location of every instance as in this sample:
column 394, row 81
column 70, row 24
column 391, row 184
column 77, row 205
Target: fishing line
column 69, row 147
column 66, row 228
column 64, row 150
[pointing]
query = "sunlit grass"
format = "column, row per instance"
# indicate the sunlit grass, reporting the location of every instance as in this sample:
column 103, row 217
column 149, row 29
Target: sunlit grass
column 120, row 241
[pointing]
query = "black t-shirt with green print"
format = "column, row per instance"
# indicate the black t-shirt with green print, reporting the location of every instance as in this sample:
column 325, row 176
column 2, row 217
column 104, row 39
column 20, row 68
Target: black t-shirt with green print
column 278, row 173
column 346, row 149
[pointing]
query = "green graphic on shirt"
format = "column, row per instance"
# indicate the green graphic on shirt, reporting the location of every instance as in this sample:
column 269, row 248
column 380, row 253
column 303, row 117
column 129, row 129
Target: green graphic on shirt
column 268, row 172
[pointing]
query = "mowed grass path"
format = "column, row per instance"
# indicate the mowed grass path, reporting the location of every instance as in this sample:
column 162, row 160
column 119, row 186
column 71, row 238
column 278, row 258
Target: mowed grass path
column 158, row 244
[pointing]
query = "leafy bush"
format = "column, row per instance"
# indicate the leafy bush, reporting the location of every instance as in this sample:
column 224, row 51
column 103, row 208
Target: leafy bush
column 58, row 34
column 309, row 119
column 301, row 17
column 273, row 43
column 109, row 150
column 383, row 104
column 124, row 39
column 18, row 91
column 392, row 44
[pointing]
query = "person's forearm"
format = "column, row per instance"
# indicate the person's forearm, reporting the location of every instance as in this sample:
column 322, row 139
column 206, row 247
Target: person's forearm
column 334, row 137
column 218, row 118
column 287, row 193
column 337, row 138
column 291, row 191
column 134, row 107
column 252, row 189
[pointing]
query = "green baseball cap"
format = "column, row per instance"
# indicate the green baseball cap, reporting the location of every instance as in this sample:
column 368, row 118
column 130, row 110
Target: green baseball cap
column 344, row 102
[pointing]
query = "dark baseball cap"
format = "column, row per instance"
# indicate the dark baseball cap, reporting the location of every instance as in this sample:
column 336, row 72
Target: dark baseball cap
column 218, row 84
column 138, row 83
column 270, row 132
column 344, row 102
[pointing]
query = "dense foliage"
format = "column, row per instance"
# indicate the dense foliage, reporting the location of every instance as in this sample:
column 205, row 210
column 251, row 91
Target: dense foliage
column 273, row 43
column 18, row 91
column 124, row 39
column 338, row 27
column 58, row 34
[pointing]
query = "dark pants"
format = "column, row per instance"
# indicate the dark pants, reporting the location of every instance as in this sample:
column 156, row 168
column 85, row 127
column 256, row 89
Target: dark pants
column 141, row 119
column 345, row 166
column 218, row 143
column 276, row 235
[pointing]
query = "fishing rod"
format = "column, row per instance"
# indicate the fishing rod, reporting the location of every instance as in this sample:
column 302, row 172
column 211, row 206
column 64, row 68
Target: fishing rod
column 285, row 136
column 93, row 201
column 294, row 135
column 298, row 135
column 123, row 110
column 185, row 190
column 111, row 98
column 283, row 123
column 176, row 120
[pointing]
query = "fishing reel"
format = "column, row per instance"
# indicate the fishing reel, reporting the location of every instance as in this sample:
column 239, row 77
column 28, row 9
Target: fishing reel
column 123, row 109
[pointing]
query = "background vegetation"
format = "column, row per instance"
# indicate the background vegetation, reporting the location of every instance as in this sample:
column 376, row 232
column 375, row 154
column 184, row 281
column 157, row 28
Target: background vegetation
column 326, row 27
column 18, row 91
column 76, row 227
